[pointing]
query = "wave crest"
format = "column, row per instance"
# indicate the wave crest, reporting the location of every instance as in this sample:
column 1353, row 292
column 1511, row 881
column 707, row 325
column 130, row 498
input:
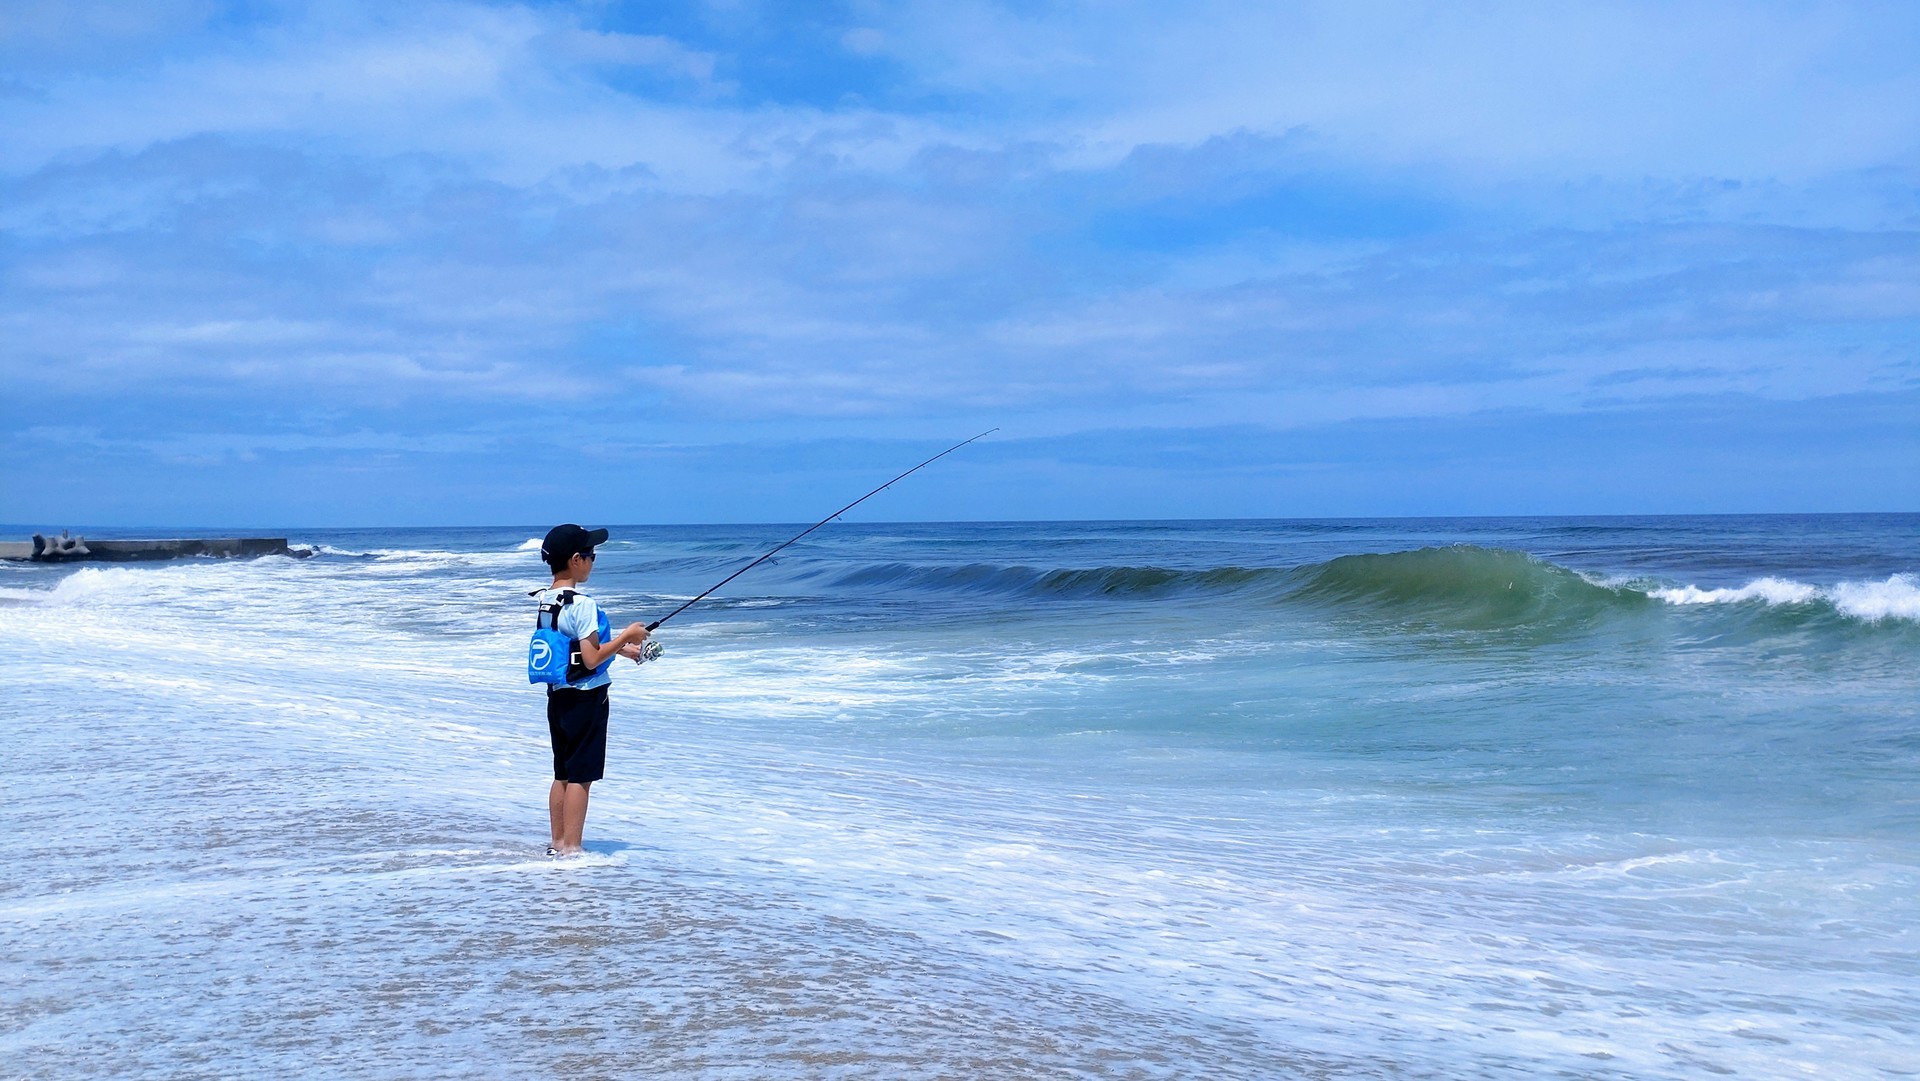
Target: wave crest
column 1460, row 584
column 1896, row 598
column 989, row 578
column 1463, row 586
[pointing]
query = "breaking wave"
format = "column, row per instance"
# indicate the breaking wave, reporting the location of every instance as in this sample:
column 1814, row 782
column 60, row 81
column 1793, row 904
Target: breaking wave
column 310, row 550
column 1064, row 582
column 1462, row 585
column 1458, row 585
column 1897, row 598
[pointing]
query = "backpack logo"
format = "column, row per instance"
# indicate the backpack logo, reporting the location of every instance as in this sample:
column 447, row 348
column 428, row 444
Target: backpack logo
column 547, row 656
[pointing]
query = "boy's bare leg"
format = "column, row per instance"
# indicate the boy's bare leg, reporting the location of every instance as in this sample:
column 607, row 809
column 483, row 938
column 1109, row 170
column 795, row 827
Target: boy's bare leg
column 573, row 818
column 556, row 802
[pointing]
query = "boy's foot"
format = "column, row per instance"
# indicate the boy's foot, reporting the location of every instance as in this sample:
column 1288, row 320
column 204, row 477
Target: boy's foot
column 552, row 852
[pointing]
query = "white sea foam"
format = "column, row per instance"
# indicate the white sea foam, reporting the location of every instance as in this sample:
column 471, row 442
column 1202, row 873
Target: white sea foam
column 1770, row 590
column 1896, row 598
column 97, row 585
column 324, row 550
column 413, row 554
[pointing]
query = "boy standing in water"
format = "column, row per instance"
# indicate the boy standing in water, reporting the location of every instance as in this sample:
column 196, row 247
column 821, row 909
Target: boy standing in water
column 577, row 712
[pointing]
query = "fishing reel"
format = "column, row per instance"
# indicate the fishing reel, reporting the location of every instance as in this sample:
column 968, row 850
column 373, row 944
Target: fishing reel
column 650, row 650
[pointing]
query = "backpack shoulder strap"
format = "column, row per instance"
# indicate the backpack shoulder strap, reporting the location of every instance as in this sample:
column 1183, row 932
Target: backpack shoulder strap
column 550, row 610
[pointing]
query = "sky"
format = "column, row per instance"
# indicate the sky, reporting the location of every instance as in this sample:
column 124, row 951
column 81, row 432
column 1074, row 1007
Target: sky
column 455, row 263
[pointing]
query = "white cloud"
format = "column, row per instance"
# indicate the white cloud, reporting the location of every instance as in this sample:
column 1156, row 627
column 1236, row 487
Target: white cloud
column 451, row 200
column 1514, row 88
column 633, row 50
column 1509, row 91
column 509, row 91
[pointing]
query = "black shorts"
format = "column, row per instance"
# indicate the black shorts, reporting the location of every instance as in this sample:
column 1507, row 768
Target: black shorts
column 577, row 721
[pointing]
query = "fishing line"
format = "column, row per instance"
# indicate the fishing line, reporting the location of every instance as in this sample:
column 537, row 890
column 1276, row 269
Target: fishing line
column 656, row 623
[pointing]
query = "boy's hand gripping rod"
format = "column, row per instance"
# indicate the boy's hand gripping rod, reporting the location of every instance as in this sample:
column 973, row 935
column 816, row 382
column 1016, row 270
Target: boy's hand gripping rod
column 656, row 623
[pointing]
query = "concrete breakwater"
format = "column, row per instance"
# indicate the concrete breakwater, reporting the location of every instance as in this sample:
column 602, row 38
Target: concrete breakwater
column 68, row 548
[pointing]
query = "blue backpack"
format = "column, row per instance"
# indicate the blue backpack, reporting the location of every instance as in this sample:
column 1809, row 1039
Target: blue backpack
column 552, row 657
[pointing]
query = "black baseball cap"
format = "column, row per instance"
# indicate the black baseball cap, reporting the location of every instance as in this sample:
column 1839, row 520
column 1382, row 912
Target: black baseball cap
column 564, row 540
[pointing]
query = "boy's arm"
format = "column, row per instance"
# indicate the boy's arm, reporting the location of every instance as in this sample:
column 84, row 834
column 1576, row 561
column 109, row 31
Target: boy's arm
column 592, row 653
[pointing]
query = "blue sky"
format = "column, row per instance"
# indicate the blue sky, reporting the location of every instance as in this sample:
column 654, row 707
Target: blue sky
column 469, row 263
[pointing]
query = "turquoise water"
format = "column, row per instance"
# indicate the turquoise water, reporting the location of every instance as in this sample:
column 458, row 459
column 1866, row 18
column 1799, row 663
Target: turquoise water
column 1399, row 798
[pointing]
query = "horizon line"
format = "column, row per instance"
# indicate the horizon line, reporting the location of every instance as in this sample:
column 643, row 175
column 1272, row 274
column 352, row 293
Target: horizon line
column 28, row 530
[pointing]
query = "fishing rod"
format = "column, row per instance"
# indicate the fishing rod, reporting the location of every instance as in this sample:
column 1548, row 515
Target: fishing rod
column 656, row 623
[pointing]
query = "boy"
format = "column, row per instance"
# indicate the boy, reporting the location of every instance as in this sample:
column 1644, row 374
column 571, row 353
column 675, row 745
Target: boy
column 577, row 712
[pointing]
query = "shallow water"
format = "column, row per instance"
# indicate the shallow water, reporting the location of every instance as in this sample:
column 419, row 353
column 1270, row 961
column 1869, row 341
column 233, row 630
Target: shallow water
column 1583, row 797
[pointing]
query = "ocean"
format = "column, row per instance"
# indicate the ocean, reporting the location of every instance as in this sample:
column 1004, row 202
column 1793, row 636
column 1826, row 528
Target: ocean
column 1443, row 798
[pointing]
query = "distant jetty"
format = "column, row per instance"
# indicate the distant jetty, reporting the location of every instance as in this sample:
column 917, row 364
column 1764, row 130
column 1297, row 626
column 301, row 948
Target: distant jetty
column 67, row 548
